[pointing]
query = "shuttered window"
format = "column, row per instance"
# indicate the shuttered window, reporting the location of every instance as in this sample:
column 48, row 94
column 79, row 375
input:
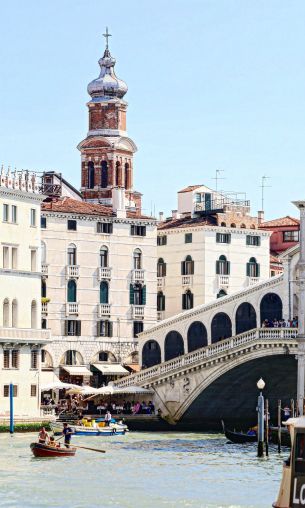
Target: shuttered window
column 187, row 300
column 104, row 328
column 33, row 390
column 6, row 359
column 72, row 327
column 6, row 391
column 222, row 266
column 104, row 292
column 34, row 359
column 253, row 240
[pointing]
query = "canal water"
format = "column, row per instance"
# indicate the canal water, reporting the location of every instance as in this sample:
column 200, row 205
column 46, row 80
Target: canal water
column 140, row 470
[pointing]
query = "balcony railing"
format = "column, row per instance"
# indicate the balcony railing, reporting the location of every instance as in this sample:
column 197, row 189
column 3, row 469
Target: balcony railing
column 72, row 271
column 104, row 309
column 138, row 275
column 104, row 273
column 252, row 281
column 71, row 308
column 223, row 280
column 44, row 308
column 24, row 334
column 160, row 315
column 44, row 269
column 138, row 311
column 187, row 280
column 160, row 282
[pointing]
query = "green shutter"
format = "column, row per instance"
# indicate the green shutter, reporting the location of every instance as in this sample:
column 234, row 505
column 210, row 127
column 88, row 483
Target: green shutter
column 217, row 267
column 144, row 295
column 191, row 300
column 248, row 269
column 131, row 294
column 164, row 270
column 66, row 328
column 98, row 329
column 229, row 238
column 110, row 329
column 104, row 296
column 257, row 270
column 78, row 328
column 247, row 240
column 228, row 267
column 182, row 268
column 192, row 268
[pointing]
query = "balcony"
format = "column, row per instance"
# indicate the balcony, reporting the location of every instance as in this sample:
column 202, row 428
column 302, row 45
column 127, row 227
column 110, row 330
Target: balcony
column 44, row 308
column 72, row 271
column 223, row 280
column 160, row 315
column 104, row 273
column 138, row 275
column 252, row 280
column 45, row 269
column 187, row 280
column 71, row 309
column 160, row 282
column 25, row 335
column 104, row 309
column 137, row 311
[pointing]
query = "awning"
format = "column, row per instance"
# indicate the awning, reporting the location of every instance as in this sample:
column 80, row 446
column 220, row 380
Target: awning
column 76, row 370
column 133, row 366
column 111, row 369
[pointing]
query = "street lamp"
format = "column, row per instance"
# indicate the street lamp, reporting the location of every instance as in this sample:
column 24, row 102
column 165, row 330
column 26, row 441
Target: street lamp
column 260, row 418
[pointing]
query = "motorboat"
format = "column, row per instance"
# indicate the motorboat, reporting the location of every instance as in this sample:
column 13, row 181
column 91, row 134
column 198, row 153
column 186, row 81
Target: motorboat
column 238, row 437
column 91, row 428
column 44, row 450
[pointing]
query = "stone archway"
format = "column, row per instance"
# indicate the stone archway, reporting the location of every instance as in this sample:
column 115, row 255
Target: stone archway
column 197, row 336
column 151, row 354
column 245, row 318
column 221, row 327
column 271, row 307
column 173, row 345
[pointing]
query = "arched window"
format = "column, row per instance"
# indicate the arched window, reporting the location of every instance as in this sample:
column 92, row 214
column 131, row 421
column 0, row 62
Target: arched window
column 222, row 266
column 137, row 294
column 72, row 357
column 221, row 293
column 173, row 345
column 187, row 300
column 161, row 268
column 71, row 293
column 43, row 289
column 137, row 259
column 104, row 175
column 90, row 175
column 72, row 254
column 221, row 327
column 160, row 301
column 151, row 354
column 127, row 183
column 243, row 226
column 271, row 307
column 117, row 173
column 252, row 226
column 253, row 268
column 43, row 253
column 103, row 257
column 223, row 225
column 245, row 318
column 197, row 336
column 233, row 225
column 33, row 314
column 6, row 313
column 14, row 314
column 104, row 292
column 187, row 266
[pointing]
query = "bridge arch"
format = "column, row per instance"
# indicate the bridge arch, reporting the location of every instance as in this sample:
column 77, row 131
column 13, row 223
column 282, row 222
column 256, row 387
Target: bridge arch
column 151, row 354
column 173, row 345
column 271, row 306
column 197, row 336
column 221, row 327
column 245, row 317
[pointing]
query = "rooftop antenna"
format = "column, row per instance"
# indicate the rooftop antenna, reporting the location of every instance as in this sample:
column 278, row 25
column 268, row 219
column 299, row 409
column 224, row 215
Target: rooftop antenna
column 263, row 187
column 217, row 177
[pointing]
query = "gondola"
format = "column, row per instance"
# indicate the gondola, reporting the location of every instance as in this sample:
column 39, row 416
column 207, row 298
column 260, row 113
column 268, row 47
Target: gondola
column 42, row 450
column 238, row 437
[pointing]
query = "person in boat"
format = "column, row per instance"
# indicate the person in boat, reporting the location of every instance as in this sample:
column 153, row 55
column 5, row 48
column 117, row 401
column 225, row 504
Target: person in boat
column 251, row 432
column 53, row 443
column 107, row 418
column 287, row 413
column 43, row 436
column 67, row 432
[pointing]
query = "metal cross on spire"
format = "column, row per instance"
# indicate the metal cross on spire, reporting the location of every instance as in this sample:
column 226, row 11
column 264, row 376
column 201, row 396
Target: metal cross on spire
column 107, row 35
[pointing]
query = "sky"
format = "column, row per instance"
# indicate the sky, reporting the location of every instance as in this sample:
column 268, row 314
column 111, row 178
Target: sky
column 213, row 85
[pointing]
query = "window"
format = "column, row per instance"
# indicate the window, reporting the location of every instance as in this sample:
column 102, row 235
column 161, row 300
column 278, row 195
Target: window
column 253, row 268
column 71, row 225
column 160, row 301
column 43, row 222
column 138, row 327
column 44, row 327
column 15, row 358
column 104, row 227
column 161, row 268
column 187, row 300
column 14, row 214
column 253, row 240
column 126, row 176
column 221, row 293
column 6, row 359
column 33, row 390
column 103, row 356
column 187, row 266
column 71, row 254
column 34, row 359
column 223, row 237
column 104, row 175
column 5, row 213
column 138, row 230
column 162, row 240
column 104, row 257
column 137, row 294
column 137, row 259
column 33, row 217
column 104, row 292
column 14, row 258
column 222, row 266
column 188, row 238
column 104, row 328
column 90, row 175
column 6, row 313
column 71, row 291
column 43, row 289
column 72, row 327
column 6, row 257
column 33, row 260
column 6, row 391
column 290, row 236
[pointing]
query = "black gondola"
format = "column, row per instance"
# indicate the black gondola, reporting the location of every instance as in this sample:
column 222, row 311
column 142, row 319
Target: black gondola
column 238, row 437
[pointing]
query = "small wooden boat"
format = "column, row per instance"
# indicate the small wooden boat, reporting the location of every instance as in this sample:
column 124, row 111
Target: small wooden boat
column 43, row 450
column 238, row 437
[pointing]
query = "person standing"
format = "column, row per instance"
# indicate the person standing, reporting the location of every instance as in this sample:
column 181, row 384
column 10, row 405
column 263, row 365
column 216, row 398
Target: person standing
column 43, row 436
column 67, row 432
column 107, row 418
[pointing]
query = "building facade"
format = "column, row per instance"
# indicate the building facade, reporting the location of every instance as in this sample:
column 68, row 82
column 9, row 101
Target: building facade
column 21, row 337
column 285, row 233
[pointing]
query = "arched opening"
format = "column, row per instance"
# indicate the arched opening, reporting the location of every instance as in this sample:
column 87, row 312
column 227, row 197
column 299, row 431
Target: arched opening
column 126, row 176
column 104, row 292
column 187, row 300
column 252, row 226
column 245, row 318
column 72, row 357
column 33, row 314
column 173, row 345
column 222, row 266
column 187, row 266
column 221, row 293
column 151, row 354
column 6, row 313
column 43, row 253
column 103, row 257
column 117, row 173
column 161, row 268
column 233, row 225
column 197, row 336
column 72, row 254
column 243, row 226
column 43, row 289
column 71, row 291
column 137, row 259
column 253, row 268
column 104, row 175
column 14, row 313
column 90, row 175
column 221, row 327
column 104, row 356
column 271, row 307
column 160, row 301
column 46, row 360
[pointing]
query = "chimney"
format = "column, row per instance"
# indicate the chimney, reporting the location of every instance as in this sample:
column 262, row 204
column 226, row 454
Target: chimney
column 118, row 202
column 260, row 216
column 161, row 216
column 175, row 214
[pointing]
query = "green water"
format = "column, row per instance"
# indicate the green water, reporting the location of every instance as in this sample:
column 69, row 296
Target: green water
column 146, row 470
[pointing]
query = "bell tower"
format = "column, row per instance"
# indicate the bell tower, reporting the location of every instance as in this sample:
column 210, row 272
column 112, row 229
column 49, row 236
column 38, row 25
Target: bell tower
column 107, row 152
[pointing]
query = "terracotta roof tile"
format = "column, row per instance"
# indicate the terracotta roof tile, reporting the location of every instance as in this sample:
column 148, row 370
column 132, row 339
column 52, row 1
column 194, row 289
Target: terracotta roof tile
column 283, row 221
column 190, row 188
column 187, row 222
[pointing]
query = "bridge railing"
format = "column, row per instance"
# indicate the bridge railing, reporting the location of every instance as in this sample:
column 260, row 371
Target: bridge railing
column 210, row 351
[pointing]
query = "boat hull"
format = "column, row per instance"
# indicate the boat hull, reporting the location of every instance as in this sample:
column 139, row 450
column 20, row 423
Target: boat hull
column 42, row 450
column 79, row 430
column 238, row 437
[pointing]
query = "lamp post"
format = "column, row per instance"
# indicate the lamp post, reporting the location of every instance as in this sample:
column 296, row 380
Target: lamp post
column 301, row 310
column 260, row 418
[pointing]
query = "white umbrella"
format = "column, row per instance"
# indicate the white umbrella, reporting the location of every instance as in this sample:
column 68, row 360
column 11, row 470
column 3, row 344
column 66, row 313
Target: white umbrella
column 133, row 389
column 57, row 385
column 83, row 390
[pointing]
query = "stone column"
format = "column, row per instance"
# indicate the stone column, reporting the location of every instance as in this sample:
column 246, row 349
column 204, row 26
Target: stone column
column 301, row 309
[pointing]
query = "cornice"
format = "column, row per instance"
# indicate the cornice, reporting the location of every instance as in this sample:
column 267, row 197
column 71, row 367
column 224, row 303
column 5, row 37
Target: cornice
column 21, row 195
column 217, row 229
column 97, row 218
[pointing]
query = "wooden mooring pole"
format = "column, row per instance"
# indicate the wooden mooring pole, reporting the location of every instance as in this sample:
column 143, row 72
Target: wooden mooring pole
column 279, row 429
column 292, row 408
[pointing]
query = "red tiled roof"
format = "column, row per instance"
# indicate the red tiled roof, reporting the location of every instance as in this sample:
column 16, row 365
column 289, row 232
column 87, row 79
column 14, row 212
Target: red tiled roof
column 187, row 222
column 283, row 221
column 190, row 188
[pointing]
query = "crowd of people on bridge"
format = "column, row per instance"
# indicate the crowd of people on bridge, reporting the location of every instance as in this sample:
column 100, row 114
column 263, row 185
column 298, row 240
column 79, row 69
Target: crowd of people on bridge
column 280, row 323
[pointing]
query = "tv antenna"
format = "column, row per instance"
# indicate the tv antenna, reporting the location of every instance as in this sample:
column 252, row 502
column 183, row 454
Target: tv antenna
column 217, row 177
column 263, row 187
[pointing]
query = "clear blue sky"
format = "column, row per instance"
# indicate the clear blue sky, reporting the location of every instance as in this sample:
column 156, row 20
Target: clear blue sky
column 213, row 84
